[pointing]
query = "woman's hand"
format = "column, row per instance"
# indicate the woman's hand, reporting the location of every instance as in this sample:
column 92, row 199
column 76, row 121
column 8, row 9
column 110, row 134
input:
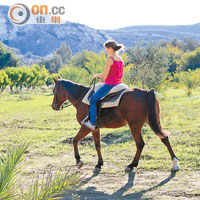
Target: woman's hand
column 95, row 76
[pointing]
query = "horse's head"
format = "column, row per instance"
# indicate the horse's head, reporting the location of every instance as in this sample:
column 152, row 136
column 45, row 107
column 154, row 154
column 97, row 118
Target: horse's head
column 60, row 95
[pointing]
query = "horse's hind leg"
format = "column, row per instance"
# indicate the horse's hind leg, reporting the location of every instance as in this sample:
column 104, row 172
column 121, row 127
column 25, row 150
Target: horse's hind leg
column 137, row 135
column 175, row 166
column 80, row 135
column 97, row 141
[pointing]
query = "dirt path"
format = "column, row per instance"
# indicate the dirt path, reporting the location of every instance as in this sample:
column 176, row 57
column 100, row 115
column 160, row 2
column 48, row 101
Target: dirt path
column 137, row 185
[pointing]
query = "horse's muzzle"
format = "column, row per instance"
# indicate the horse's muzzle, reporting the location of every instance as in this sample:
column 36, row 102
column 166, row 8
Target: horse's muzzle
column 56, row 107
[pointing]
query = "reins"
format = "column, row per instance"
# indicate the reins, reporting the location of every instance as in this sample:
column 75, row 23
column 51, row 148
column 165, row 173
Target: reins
column 93, row 82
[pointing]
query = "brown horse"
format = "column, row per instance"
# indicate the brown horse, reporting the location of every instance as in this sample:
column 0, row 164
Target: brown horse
column 136, row 108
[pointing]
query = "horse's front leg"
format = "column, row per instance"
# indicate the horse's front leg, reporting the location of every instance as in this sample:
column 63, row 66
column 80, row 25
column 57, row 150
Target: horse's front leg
column 80, row 135
column 97, row 141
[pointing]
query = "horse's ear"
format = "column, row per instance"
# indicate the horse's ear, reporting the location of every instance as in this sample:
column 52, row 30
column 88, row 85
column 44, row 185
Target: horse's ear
column 55, row 80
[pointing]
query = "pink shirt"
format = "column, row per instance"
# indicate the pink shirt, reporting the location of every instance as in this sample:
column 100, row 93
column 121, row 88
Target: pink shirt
column 115, row 74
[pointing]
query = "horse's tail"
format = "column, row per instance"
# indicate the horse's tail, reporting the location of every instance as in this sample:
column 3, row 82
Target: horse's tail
column 153, row 115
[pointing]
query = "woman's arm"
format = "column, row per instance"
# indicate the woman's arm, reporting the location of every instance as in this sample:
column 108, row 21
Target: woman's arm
column 104, row 75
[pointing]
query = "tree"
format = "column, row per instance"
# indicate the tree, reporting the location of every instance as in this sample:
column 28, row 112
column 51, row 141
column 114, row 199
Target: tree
column 7, row 58
column 4, row 80
column 80, row 59
column 149, row 64
column 25, row 75
column 55, row 63
column 52, row 64
column 83, row 65
column 60, row 57
column 174, row 55
column 177, row 43
column 90, row 61
column 14, row 76
column 65, row 53
column 39, row 76
column 95, row 62
column 50, row 78
column 187, row 45
column 190, row 44
column 190, row 60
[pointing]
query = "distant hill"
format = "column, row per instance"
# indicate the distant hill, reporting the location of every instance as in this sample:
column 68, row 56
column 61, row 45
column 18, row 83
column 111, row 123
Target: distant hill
column 129, row 36
column 42, row 40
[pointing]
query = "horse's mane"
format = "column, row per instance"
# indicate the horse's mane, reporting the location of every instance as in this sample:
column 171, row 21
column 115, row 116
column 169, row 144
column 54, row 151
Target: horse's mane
column 75, row 90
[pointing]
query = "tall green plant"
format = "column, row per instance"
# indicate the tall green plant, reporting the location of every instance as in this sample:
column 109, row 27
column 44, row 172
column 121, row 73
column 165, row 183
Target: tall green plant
column 55, row 183
column 53, row 186
column 9, row 169
column 188, row 80
column 75, row 74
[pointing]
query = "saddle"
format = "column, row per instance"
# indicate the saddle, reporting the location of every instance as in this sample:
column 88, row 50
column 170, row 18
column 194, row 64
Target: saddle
column 112, row 99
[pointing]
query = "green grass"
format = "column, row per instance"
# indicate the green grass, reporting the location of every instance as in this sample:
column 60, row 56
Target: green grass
column 28, row 116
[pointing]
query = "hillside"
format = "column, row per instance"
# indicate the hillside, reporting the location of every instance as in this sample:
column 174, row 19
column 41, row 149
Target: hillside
column 42, row 40
column 129, row 36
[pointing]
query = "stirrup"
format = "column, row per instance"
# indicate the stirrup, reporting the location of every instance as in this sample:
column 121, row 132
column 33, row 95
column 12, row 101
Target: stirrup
column 85, row 119
column 89, row 125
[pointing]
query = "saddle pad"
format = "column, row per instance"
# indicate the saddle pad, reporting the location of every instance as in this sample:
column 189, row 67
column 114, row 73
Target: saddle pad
column 111, row 102
column 113, row 90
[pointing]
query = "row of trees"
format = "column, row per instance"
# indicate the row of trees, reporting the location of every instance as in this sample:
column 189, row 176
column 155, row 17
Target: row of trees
column 28, row 77
column 187, row 45
column 181, row 55
column 145, row 66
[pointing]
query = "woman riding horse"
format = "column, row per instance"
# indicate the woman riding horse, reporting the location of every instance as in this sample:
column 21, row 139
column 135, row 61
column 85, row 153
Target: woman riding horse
column 136, row 108
column 112, row 75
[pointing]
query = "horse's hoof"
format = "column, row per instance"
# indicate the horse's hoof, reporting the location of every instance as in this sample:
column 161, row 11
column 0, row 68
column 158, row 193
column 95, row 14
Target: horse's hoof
column 175, row 168
column 128, row 169
column 96, row 170
column 79, row 164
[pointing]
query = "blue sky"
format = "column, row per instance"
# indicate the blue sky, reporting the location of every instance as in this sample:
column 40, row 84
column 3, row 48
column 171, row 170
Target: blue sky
column 112, row 14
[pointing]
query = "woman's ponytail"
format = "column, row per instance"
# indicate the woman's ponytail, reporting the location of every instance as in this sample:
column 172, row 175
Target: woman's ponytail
column 118, row 47
column 114, row 45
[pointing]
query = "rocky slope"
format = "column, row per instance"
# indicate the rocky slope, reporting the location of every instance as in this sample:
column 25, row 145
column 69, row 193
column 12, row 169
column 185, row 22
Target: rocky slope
column 42, row 40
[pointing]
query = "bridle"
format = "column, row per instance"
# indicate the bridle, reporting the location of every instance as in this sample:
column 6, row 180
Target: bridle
column 65, row 106
column 55, row 96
